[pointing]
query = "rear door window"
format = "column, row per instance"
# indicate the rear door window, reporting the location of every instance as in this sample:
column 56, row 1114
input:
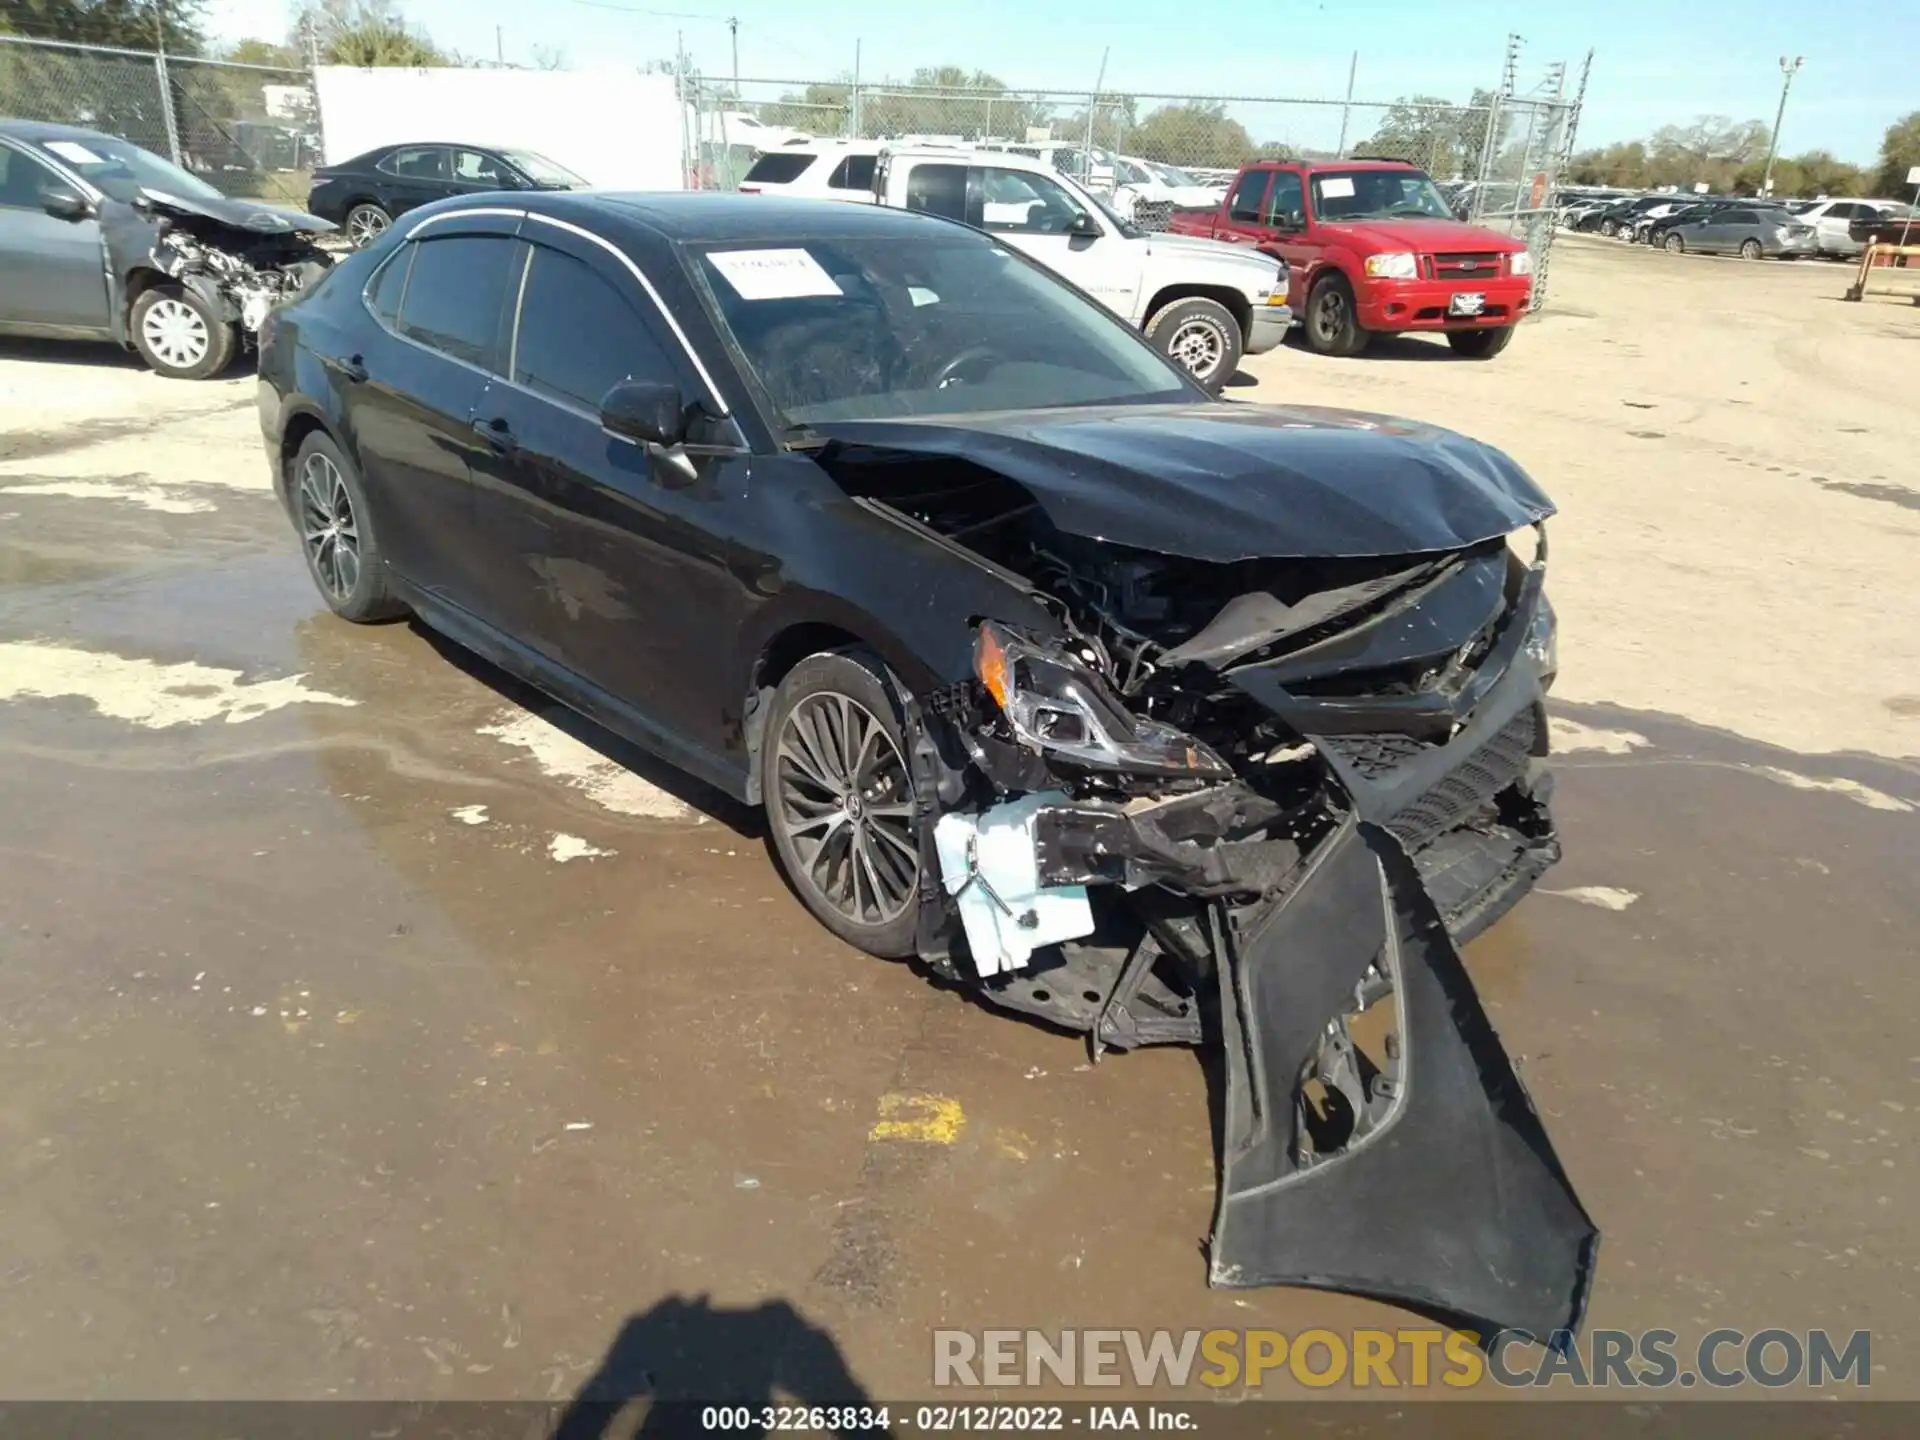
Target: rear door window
column 417, row 162
column 577, row 336
column 780, row 167
column 1248, row 192
column 455, row 295
column 853, row 173
column 938, row 190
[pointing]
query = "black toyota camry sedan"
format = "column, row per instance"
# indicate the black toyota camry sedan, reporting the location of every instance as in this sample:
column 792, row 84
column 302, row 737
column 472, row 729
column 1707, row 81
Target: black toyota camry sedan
column 1157, row 717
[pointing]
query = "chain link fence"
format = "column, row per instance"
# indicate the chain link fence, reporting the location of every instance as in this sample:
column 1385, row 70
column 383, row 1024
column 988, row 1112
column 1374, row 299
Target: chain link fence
column 247, row 130
column 1497, row 160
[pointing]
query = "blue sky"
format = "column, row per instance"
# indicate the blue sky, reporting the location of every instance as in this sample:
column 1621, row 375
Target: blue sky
column 1657, row 61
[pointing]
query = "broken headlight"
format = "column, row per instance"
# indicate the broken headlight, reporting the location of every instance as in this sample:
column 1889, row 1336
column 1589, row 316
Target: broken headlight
column 1059, row 707
column 1543, row 642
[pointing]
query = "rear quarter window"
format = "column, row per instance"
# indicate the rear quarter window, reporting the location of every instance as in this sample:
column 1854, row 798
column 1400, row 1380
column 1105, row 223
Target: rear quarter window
column 853, row 173
column 780, row 167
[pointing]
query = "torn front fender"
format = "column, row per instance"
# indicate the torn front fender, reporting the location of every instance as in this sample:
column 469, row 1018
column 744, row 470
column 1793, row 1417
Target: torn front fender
column 1448, row 1198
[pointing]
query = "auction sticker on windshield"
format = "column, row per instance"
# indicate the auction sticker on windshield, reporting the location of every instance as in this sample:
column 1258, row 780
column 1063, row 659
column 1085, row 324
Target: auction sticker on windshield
column 773, row 274
column 1336, row 187
column 73, row 153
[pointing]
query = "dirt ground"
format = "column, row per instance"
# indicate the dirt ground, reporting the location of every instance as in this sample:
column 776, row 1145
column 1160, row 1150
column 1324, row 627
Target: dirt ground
column 368, row 1028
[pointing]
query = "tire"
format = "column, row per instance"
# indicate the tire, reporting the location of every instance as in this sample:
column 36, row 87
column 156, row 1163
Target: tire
column 1749, row 249
column 1608, row 228
column 1675, row 244
column 179, row 335
column 832, row 705
column 366, row 223
column 1480, row 344
column 328, row 504
column 1201, row 337
column 1331, row 325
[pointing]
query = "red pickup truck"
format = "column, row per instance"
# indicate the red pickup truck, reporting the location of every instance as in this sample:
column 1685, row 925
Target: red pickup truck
column 1373, row 248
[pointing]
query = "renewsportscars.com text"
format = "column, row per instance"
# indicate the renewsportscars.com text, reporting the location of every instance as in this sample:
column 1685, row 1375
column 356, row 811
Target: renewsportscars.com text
column 1414, row 1358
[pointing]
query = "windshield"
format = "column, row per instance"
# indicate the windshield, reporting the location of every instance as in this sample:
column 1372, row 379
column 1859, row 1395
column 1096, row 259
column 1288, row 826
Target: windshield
column 879, row 329
column 1377, row 195
column 1174, row 175
column 543, row 171
column 122, row 170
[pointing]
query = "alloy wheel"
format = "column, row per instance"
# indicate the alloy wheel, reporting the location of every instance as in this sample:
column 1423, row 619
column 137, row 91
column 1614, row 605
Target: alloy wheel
column 844, row 803
column 1199, row 346
column 176, row 332
column 366, row 225
column 327, row 527
column 1330, row 313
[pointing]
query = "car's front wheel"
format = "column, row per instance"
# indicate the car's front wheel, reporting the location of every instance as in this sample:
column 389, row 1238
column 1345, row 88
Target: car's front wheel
column 179, row 335
column 366, row 223
column 1202, row 337
column 330, row 510
column 839, row 799
column 1332, row 325
column 1676, row 245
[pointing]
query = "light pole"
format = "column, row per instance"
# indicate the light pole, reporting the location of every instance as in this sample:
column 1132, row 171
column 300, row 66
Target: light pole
column 1788, row 69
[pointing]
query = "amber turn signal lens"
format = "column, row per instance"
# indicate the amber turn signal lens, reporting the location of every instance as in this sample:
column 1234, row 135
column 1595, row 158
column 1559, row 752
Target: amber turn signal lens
column 990, row 663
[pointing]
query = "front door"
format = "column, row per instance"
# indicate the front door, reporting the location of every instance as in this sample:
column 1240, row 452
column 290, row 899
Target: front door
column 52, row 271
column 1289, row 236
column 1036, row 214
column 417, row 175
column 604, row 549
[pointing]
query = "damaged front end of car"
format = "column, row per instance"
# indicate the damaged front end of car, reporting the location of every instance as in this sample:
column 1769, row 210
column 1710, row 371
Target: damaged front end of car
column 242, row 259
column 1261, row 802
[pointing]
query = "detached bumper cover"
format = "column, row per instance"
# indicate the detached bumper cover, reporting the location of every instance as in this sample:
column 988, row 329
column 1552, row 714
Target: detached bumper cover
column 1455, row 1203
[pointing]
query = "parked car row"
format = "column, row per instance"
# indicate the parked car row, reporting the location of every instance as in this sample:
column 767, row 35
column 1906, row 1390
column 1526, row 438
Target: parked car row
column 1733, row 224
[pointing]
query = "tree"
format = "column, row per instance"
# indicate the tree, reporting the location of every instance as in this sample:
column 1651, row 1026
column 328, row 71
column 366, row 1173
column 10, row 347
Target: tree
column 1193, row 132
column 1441, row 137
column 126, row 24
column 550, row 57
column 367, row 33
column 1899, row 153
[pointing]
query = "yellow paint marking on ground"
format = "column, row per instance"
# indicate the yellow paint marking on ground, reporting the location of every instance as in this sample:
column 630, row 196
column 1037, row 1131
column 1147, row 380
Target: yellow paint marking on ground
column 1013, row 1144
column 919, row 1119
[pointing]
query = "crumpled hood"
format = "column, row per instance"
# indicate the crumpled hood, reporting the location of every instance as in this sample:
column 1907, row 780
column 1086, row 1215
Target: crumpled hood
column 1226, row 481
column 249, row 215
column 1422, row 237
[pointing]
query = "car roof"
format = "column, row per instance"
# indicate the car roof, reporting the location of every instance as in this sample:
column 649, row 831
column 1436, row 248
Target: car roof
column 37, row 130
column 700, row 216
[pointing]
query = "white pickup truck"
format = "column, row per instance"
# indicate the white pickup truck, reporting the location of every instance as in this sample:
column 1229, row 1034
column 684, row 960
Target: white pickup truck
column 1203, row 303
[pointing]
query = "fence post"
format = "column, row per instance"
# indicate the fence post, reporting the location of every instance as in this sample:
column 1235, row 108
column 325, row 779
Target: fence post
column 166, row 104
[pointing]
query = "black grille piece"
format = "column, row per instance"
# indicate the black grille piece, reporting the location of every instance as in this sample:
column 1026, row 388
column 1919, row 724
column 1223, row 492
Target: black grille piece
column 1462, row 265
column 1469, row 786
column 1375, row 755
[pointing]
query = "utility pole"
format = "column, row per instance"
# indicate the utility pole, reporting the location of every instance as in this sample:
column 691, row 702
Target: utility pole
column 733, row 30
column 1093, row 106
column 853, row 105
column 1788, row 69
column 1346, row 109
column 499, row 48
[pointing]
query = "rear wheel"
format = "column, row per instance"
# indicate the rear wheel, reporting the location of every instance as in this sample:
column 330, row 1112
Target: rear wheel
column 1480, row 344
column 1201, row 336
column 336, row 534
column 1608, row 228
column 366, row 223
column 1749, row 249
column 180, row 335
column 1675, row 245
column 1332, row 325
column 839, row 800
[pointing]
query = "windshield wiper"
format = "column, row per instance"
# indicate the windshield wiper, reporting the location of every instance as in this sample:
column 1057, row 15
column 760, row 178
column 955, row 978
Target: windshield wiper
column 802, row 437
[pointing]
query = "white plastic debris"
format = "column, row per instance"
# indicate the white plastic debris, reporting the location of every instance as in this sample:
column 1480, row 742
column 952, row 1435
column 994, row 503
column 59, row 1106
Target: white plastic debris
column 989, row 863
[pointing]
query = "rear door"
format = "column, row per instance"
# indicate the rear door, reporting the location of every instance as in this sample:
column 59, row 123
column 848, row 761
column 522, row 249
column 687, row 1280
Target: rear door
column 52, row 271
column 411, row 400
column 1726, row 230
column 1246, row 209
column 415, row 175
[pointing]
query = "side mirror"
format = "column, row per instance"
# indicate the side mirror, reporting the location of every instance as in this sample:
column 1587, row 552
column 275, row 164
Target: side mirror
column 64, row 204
column 1085, row 227
column 644, row 410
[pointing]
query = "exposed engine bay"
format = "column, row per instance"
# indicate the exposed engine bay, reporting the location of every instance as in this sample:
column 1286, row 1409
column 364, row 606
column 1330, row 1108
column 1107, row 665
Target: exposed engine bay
column 243, row 259
column 1259, row 801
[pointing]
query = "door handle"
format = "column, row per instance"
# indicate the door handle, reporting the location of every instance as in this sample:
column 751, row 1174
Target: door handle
column 353, row 369
column 499, row 434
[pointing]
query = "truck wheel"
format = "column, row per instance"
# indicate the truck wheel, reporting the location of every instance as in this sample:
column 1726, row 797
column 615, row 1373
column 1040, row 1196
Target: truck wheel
column 1480, row 344
column 1332, row 326
column 179, row 335
column 1201, row 336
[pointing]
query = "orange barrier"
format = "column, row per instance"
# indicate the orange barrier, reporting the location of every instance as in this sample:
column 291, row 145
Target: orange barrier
column 1880, row 256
